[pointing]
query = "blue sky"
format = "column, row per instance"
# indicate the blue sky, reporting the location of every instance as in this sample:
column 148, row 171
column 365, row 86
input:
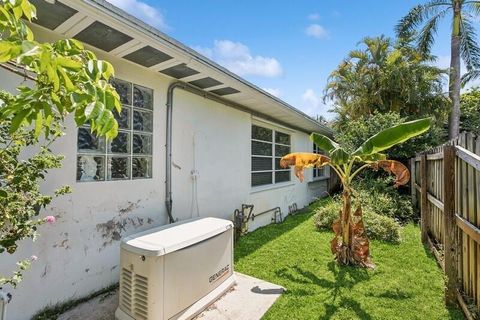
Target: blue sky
column 286, row 47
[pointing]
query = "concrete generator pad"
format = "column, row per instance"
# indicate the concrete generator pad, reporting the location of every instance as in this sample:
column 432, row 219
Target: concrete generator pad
column 249, row 299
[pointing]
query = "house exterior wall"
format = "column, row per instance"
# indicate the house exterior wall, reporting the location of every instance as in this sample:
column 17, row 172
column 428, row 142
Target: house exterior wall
column 79, row 254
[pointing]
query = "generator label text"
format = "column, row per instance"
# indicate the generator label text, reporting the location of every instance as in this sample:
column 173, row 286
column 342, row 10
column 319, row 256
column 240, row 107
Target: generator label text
column 219, row 274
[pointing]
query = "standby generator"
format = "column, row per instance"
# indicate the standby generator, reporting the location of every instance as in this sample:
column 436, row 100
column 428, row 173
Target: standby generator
column 175, row 271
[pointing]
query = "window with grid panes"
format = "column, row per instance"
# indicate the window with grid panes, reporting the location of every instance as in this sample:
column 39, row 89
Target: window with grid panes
column 268, row 146
column 129, row 155
column 320, row 172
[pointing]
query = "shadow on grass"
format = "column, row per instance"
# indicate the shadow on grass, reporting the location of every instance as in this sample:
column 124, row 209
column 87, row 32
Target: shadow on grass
column 258, row 290
column 454, row 311
column 345, row 278
column 254, row 241
column 396, row 294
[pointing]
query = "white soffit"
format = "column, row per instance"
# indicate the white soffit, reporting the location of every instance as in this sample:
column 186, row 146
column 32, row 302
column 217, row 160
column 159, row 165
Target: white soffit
column 108, row 28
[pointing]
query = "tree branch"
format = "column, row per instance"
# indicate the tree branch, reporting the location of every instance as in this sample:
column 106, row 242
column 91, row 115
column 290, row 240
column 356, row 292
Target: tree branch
column 18, row 70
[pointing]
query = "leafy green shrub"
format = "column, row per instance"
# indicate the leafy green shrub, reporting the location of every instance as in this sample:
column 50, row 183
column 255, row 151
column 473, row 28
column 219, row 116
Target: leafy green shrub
column 470, row 111
column 377, row 226
column 382, row 228
column 353, row 133
column 384, row 208
column 377, row 193
column 326, row 214
column 21, row 199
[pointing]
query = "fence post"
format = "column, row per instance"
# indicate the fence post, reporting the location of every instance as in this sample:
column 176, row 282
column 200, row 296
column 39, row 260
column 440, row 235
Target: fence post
column 449, row 224
column 424, row 203
column 412, row 183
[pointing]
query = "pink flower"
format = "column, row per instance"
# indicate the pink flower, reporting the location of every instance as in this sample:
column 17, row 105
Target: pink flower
column 33, row 258
column 50, row 219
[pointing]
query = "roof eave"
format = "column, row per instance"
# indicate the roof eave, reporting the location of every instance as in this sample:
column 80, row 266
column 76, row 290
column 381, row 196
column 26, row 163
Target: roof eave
column 142, row 27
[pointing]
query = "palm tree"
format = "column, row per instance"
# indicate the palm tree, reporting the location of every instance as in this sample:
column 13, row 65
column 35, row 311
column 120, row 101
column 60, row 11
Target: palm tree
column 383, row 76
column 355, row 85
column 424, row 19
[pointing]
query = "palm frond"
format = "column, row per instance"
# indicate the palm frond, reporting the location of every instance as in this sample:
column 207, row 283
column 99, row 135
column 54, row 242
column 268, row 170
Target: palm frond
column 377, row 49
column 407, row 25
column 470, row 76
column 426, row 37
column 473, row 7
column 358, row 54
column 469, row 49
column 417, row 15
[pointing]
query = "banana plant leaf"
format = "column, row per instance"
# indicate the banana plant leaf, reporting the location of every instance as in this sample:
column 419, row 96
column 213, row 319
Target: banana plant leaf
column 324, row 142
column 339, row 156
column 373, row 157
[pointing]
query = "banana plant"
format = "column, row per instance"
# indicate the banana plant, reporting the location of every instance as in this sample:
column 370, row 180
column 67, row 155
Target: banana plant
column 350, row 244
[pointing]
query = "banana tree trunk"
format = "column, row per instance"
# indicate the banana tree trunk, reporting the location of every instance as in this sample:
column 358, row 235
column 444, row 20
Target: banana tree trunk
column 455, row 76
column 350, row 244
column 346, row 220
column 342, row 242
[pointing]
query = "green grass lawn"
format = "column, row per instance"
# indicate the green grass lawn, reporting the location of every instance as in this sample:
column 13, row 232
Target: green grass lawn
column 406, row 284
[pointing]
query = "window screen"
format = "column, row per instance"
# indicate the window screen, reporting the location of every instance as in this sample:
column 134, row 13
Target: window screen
column 268, row 146
column 320, row 172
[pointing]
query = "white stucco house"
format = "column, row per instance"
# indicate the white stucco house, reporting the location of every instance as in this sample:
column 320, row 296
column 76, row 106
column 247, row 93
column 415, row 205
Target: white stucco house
column 195, row 140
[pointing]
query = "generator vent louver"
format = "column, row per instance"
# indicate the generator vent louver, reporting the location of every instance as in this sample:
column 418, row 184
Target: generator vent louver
column 141, row 297
column 134, row 294
column 126, row 290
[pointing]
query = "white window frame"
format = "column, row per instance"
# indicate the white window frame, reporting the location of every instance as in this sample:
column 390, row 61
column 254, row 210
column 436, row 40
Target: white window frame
column 274, row 129
column 318, row 173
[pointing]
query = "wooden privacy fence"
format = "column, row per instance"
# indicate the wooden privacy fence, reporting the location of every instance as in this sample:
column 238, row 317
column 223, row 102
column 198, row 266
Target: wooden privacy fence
column 446, row 187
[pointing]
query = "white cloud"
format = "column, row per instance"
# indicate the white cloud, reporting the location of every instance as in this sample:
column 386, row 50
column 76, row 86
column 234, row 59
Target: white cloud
column 311, row 101
column 273, row 91
column 142, row 11
column 314, row 16
column 317, row 31
column 313, row 104
column 237, row 57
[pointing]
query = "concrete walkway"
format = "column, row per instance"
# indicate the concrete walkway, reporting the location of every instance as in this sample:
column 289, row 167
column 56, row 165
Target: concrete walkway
column 249, row 299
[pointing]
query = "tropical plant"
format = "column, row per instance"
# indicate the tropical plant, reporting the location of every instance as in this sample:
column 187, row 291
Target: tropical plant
column 350, row 244
column 376, row 190
column 351, row 134
column 386, row 76
column 426, row 18
column 470, row 106
column 64, row 79
column 378, row 227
